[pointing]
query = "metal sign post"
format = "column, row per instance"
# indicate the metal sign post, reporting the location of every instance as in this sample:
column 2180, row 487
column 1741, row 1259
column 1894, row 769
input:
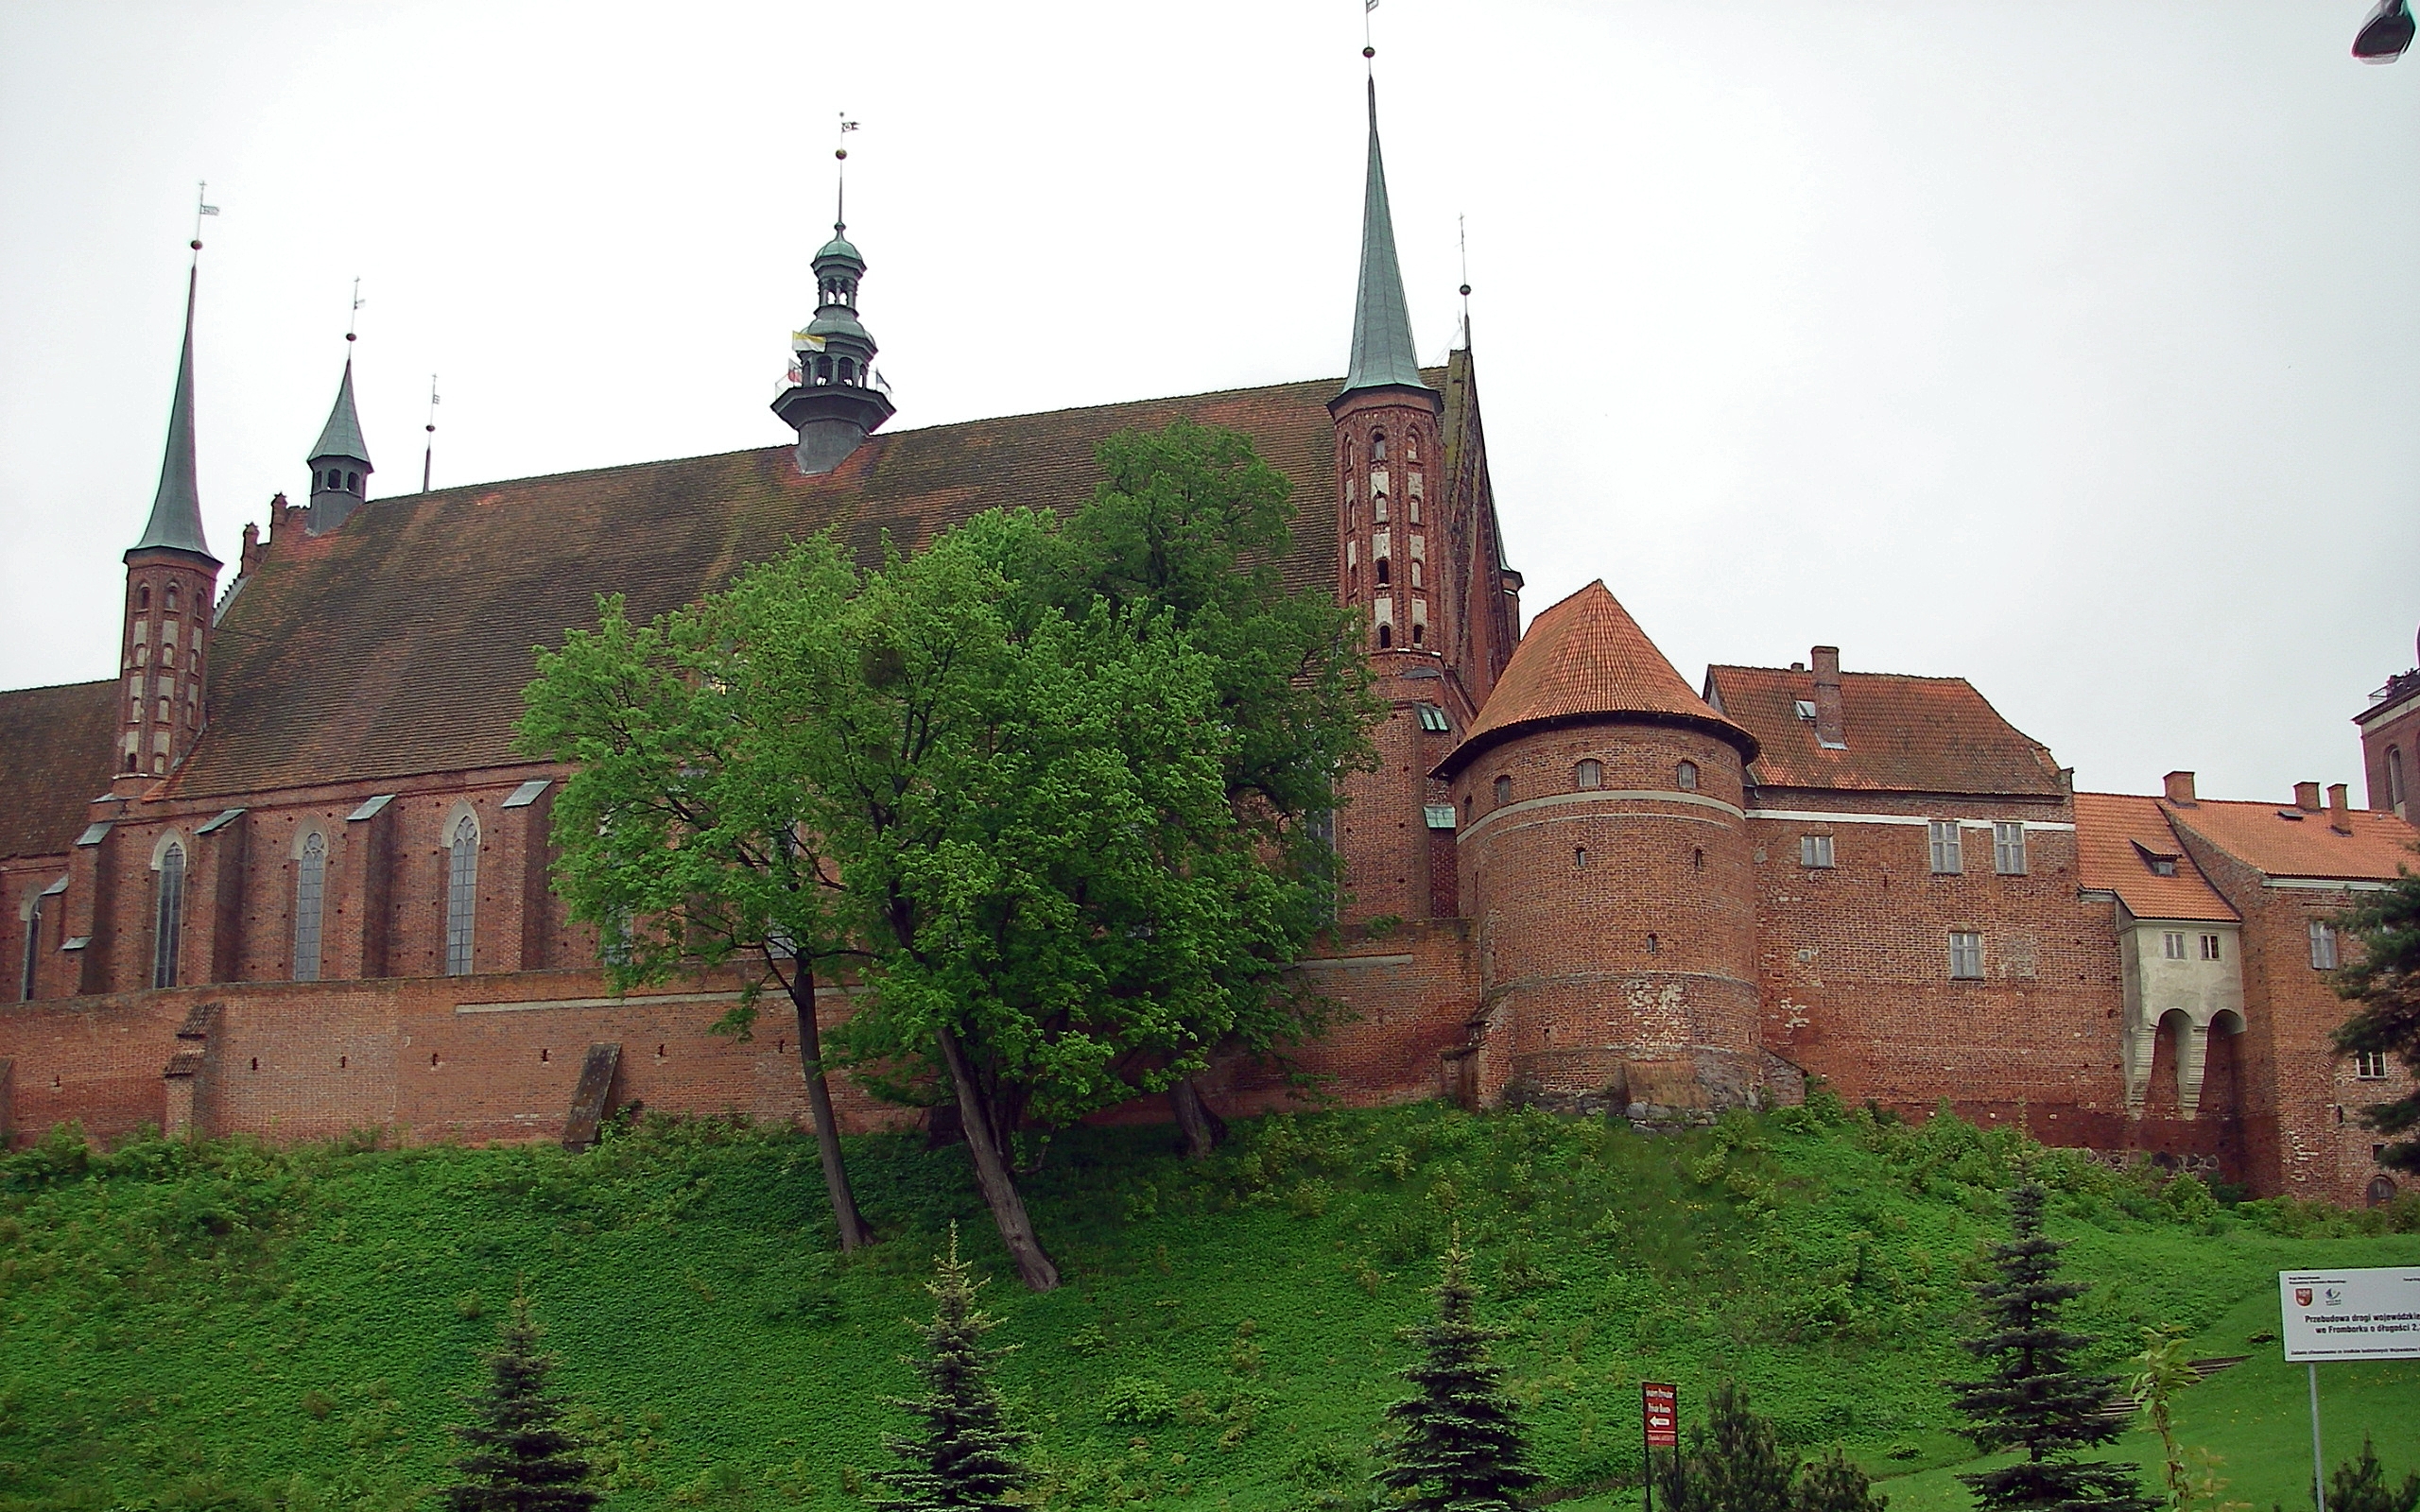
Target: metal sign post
column 2346, row 1314
column 1659, row 1427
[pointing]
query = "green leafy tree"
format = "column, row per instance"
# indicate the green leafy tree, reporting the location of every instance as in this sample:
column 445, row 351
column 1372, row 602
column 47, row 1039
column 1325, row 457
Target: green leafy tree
column 520, row 1459
column 2359, row 1485
column 2383, row 976
column 1457, row 1444
column 963, row 1454
column 677, row 835
column 1184, row 537
column 2035, row 1398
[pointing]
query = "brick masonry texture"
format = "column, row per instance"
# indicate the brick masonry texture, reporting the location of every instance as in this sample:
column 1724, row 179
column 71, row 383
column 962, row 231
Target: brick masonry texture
column 1651, row 940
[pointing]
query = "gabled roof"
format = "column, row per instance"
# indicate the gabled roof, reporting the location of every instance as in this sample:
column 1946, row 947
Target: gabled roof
column 399, row 644
column 58, row 752
column 1904, row 734
column 341, row 434
column 1586, row 659
column 2117, row 836
column 2280, row 840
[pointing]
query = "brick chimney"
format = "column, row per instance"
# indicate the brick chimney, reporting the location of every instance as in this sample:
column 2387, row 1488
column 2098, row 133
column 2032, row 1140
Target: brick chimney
column 2306, row 796
column 2339, row 809
column 1827, row 697
column 2180, row 789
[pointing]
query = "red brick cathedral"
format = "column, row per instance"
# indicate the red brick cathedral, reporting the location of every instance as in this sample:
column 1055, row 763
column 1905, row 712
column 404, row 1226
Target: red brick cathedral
column 284, row 875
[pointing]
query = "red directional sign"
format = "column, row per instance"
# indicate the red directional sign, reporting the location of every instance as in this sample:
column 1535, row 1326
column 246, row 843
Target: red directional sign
column 1662, row 1406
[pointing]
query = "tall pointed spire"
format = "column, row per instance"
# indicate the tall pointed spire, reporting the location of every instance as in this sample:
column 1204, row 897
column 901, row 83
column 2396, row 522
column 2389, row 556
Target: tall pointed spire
column 1382, row 350
column 175, row 509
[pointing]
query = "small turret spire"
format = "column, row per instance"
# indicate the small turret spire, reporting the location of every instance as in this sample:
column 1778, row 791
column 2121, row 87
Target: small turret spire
column 1383, row 355
column 176, row 509
column 340, row 462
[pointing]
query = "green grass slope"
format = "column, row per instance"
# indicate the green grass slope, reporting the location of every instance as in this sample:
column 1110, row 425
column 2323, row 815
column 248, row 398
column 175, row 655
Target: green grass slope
column 221, row 1324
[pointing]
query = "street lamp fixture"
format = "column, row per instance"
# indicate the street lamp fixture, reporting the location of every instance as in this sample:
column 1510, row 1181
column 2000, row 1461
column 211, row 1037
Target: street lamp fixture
column 2385, row 32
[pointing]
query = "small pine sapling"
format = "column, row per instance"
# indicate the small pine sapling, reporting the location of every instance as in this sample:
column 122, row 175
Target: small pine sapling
column 2359, row 1486
column 520, row 1459
column 1835, row 1483
column 1457, row 1444
column 2035, row 1398
column 963, row 1455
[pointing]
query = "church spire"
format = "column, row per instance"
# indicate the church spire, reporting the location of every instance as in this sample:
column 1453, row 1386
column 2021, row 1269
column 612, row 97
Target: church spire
column 340, row 462
column 1382, row 350
column 175, row 509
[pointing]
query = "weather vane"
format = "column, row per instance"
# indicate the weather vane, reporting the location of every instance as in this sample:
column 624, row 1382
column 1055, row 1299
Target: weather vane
column 352, row 321
column 841, row 174
column 428, row 453
column 202, row 206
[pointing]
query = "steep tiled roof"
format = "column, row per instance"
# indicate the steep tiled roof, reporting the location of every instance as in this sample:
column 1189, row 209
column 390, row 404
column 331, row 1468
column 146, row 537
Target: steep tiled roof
column 400, row 642
column 56, row 754
column 1904, row 734
column 2118, row 835
column 2263, row 837
column 1586, row 658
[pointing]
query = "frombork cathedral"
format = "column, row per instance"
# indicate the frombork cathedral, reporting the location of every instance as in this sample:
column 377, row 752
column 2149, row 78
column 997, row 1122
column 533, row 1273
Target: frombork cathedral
column 251, row 898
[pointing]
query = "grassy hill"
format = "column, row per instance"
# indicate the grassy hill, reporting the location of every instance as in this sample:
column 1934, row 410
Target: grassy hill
column 224, row 1325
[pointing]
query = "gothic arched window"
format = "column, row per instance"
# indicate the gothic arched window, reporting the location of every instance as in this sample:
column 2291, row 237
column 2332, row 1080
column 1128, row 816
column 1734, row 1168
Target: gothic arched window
column 2394, row 778
column 310, row 896
column 1383, row 580
column 352, row 483
column 172, row 599
column 1377, row 448
column 1377, row 508
column 33, row 948
column 461, row 895
column 168, row 916
column 1386, row 636
column 142, row 597
column 1415, row 572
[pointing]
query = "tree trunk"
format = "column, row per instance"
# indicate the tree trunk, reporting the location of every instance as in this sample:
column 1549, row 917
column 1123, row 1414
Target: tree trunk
column 992, row 1173
column 854, row 1233
column 1203, row 1129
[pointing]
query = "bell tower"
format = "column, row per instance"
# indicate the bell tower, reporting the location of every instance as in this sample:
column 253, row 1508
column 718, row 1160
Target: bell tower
column 171, row 585
column 834, row 401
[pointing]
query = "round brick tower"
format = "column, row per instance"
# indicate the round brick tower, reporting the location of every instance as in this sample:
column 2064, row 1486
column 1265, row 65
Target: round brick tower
column 1604, row 857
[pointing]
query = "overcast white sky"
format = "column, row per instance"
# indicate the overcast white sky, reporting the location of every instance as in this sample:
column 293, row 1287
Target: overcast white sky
column 2068, row 348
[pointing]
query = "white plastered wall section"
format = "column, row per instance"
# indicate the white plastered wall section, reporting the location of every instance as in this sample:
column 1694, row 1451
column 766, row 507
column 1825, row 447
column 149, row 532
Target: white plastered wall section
column 2159, row 984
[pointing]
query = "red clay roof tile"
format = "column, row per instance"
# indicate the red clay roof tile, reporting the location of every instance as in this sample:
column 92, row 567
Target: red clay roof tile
column 2112, row 833
column 1904, row 734
column 56, row 754
column 1586, row 658
column 399, row 644
column 2262, row 836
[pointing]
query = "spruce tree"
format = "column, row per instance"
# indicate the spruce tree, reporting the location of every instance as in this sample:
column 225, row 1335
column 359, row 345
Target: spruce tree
column 2037, row 1398
column 1735, row 1462
column 2360, row 1486
column 1457, row 1444
column 963, row 1455
column 519, row 1460
column 1835, row 1483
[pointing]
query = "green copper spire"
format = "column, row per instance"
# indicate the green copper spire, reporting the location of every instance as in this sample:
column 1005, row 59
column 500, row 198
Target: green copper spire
column 175, row 509
column 341, row 437
column 1382, row 352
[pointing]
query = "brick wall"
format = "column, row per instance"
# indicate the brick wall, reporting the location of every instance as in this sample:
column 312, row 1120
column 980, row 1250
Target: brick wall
column 1855, row 968
column 1616, row 928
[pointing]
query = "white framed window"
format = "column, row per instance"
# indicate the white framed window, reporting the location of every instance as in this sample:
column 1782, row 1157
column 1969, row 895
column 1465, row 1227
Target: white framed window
column 1588, row 775
column 1948, row 851
column 2369, row 1065
column 310, row 898
column 1815, row 851
column 168, row 916
column 1966, row 956
column 2008, row 849
column 461, row 895
column 2322, row 946
column 2210, row 948
column 2172, row 945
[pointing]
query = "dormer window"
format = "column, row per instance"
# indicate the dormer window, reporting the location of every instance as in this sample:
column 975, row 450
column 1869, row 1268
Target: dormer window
column 1806, row 709
column 2162, row 862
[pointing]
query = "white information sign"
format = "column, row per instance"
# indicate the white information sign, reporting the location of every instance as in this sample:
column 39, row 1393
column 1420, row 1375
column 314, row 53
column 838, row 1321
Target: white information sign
column 2351, row 1315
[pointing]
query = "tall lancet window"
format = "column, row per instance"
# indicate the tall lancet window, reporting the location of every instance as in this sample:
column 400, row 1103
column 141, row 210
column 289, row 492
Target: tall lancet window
column 167, row 925
column 310, row 898
column 461, row 895
column 33, row 950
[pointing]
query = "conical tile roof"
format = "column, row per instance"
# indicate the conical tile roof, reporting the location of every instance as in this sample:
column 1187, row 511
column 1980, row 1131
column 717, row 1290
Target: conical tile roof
column 1586, row 659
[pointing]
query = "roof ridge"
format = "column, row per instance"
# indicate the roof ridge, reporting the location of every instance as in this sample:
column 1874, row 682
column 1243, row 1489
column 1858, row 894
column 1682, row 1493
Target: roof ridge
column 59, row 687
